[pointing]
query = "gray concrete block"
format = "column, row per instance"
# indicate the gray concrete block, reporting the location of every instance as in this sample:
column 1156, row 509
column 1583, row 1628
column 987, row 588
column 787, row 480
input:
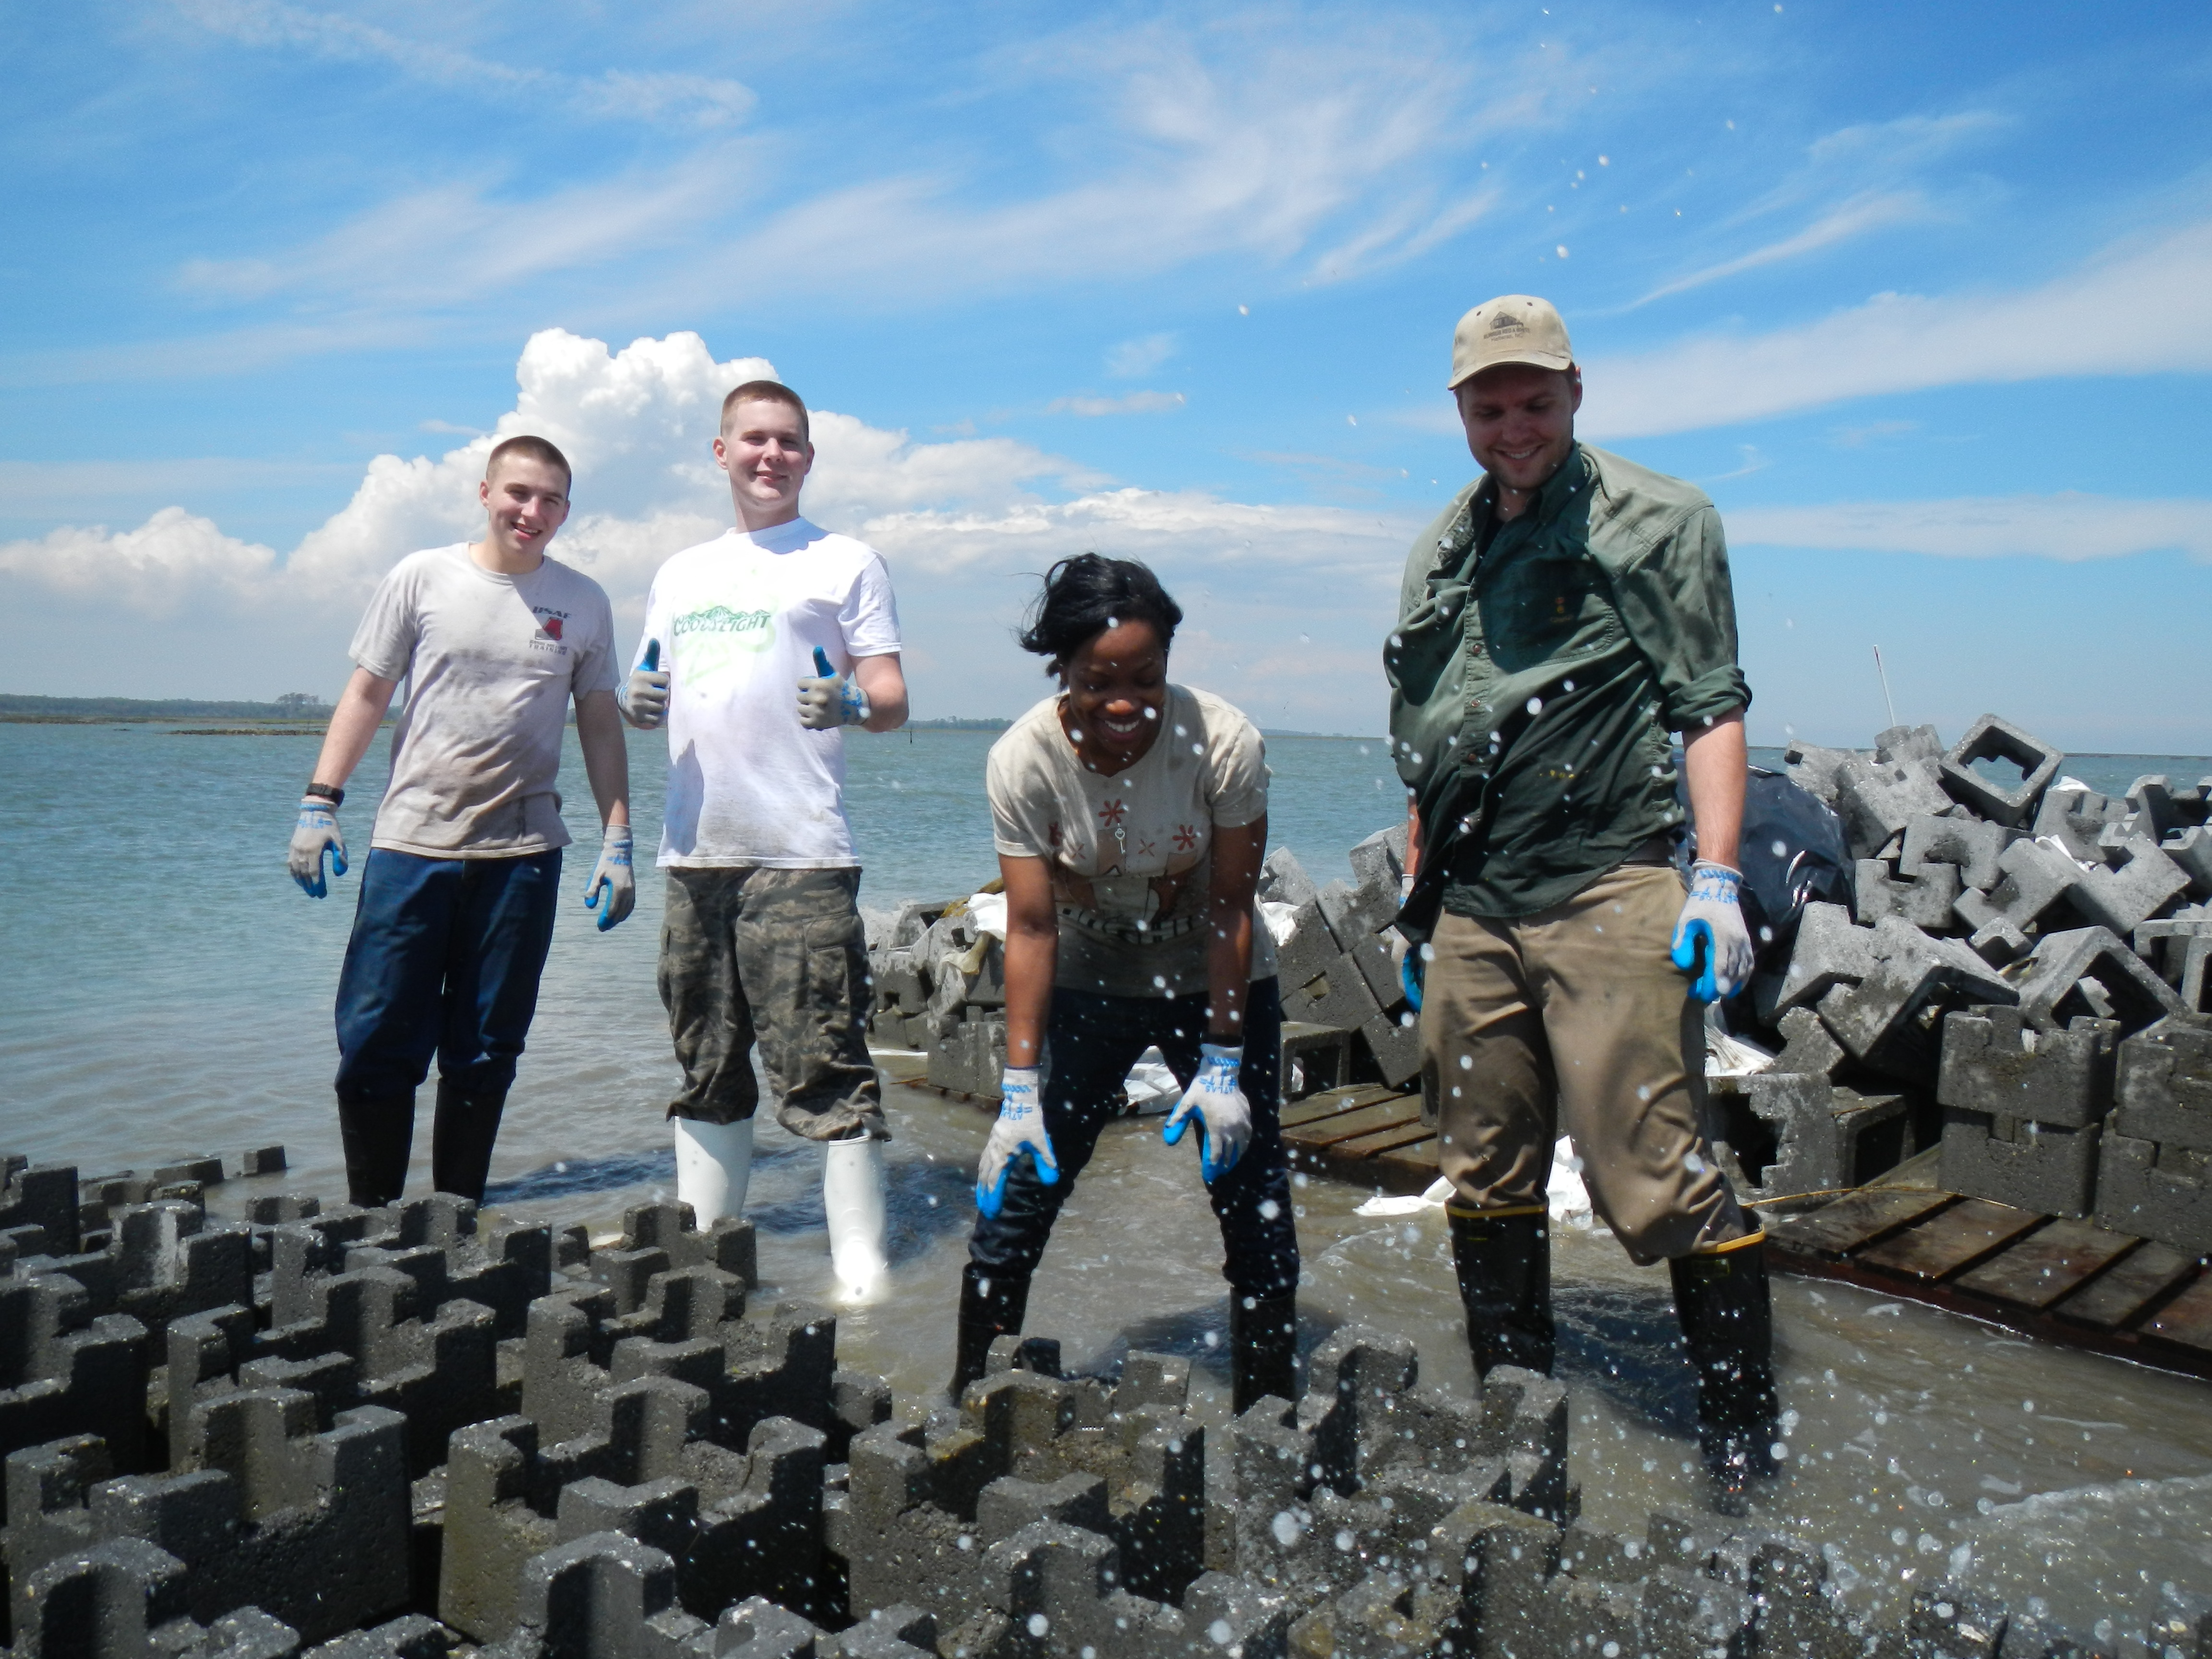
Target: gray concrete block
column 43, row 1196
column 1825, row 1138
column 1813, row 769
column 2047, row 1168
column 2139, row 882
column 1969, row 845
column 1828, row 951
column 1994, row 1063
column 1396, row 1047
column 2164, row 1086
column 2191, row 850
column 1355, row 915
column 1998, row 943
column 1380, row 860
column 127, row 1599
column 64, row 1371
column 1877, row 799
column 1992, row 739
column 1925, row 900
column 2050, row 987
column 2035, row 878
column 1321, row 1055
column 1283, row 879
column 2154, row 1192
column 603, row 1597
column 2075, row 816
column 1808, row 1048
column 1900, row 744
column 1336, row 997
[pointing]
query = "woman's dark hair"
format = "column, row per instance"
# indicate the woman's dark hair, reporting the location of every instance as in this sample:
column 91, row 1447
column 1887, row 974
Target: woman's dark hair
column 1085, row 596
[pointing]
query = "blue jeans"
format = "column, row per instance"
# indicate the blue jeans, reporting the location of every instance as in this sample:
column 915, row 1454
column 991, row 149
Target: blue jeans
column 444, row 960
column 1091, row 1041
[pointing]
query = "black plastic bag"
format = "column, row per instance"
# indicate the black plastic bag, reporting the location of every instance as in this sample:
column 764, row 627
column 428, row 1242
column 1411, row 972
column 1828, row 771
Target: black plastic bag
column 1792, row 854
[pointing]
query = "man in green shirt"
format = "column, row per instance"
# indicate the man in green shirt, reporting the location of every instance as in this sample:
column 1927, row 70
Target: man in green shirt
column 1559, row 621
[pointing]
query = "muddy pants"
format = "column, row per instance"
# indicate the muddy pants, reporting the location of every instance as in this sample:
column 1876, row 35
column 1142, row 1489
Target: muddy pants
column 1573, row 1021
column 1090, row 1043
column 776, row 956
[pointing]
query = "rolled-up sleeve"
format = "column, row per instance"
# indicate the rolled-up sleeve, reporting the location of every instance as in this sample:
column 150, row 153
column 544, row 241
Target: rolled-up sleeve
column 1679, row 607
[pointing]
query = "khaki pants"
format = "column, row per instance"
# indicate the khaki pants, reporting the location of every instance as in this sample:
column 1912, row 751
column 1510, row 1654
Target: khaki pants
column 1573, row 1021
column 777, row 955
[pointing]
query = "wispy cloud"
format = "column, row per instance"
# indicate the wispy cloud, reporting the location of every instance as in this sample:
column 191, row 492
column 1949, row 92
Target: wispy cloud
column 1130, row 402
column 2141, row 308
column 1872, row 211
column 628, row 94
column 2070, row 527
column 1132, row 359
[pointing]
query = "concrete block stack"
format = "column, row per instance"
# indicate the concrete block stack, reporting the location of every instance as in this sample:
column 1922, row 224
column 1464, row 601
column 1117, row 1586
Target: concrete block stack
column 661, row 1474
column 2156, row 1179
column 940, row 985
column 2004, row 936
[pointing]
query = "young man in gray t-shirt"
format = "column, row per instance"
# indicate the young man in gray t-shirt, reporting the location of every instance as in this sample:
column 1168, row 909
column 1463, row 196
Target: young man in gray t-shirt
column 457, row 897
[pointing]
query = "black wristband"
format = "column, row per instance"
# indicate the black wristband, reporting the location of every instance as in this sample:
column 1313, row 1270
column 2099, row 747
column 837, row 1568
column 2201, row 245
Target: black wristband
column 328, row 792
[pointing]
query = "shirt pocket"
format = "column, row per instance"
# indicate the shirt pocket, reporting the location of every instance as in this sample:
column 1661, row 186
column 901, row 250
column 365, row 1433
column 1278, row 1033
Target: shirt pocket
column 1548, row 604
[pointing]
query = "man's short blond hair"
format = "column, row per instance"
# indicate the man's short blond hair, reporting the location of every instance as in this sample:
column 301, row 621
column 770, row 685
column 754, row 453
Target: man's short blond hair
column 768, row 391
column 530, row 447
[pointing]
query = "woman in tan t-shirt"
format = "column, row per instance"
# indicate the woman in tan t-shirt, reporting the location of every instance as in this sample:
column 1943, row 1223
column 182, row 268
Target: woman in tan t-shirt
column 1130, row 817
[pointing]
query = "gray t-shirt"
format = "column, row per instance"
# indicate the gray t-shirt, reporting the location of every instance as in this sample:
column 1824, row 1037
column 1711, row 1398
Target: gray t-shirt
column 492, row 662
column 1130, row 855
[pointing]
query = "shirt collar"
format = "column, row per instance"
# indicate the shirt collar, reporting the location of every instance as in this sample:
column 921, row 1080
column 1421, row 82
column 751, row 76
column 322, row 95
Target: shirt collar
column 1562, row 487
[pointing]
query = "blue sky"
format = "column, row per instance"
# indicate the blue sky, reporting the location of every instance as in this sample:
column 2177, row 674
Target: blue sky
column 1921, row 295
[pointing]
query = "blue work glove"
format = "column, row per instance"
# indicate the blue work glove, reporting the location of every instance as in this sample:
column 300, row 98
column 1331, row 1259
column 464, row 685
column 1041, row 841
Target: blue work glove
column 1409, row 975
column 1224, row 1116
column 830, row 700
column 644, row 700
column 612, row 876
column 316, row 833
column 1712, row 944
column 1020, row 1128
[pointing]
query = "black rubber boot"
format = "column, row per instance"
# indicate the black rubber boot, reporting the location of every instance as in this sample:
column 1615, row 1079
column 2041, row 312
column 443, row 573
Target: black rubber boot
column 376, row 1134
column 991, row 1306
column 1727, row 1324
column 1263, row 1350
column 461, row 1138
column 1503, row 1258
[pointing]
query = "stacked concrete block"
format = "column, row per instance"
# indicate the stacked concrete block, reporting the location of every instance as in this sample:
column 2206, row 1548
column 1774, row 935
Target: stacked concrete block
column 734, row 1524
column 926, row 1505
column 2155, row 1175
column 128, row 1599
column 1820, row 1137
column 65, row 1370
column 258, row 1495
column 970, row 1057
column 158, row 1261
column 2024, row 1109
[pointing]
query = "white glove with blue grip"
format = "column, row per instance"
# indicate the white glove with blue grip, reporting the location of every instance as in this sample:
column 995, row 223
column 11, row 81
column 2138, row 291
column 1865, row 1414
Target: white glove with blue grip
column 1020, row 1128
column 1712, row 944
column 1224, row 1116
column 613, row 879
column 830, row 700
column 644, row 700
column 316, row 833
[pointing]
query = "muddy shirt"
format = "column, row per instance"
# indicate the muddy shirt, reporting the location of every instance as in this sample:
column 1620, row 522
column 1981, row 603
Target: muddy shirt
column 739, row 619
column 1130, row 855
column 491, row 662
column 1537, row 671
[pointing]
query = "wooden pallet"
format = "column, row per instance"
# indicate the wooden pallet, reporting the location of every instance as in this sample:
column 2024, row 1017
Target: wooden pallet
column 2066, row 1281
column 1368, row 1134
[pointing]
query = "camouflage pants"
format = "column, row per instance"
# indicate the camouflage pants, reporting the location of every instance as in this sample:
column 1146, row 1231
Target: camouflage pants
column 777, row 956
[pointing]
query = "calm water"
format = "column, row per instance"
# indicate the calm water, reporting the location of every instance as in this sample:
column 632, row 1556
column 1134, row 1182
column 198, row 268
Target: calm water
column 166, row 989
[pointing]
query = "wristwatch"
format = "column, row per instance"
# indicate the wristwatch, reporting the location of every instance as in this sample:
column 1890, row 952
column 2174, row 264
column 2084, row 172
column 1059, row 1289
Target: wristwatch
column 328, row 792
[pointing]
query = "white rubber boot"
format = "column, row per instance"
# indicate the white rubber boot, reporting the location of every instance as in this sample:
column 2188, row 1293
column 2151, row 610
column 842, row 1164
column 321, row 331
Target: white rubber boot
column 854, row 1196
column 713, row 1161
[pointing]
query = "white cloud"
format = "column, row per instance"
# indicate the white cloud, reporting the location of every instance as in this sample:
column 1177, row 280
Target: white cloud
column 1132, row 359
column 1129, row 402
column 2070, row 527
column 2142, row 308
column 642, row 95
column 1870, row 210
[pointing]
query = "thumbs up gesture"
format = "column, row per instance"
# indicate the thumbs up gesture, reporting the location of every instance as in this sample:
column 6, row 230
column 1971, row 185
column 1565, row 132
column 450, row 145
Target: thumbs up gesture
column 645, row 699
column 830, row 699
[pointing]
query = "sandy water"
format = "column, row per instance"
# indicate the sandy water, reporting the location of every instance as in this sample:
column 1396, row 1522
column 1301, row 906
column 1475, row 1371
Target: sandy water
column 165, row 989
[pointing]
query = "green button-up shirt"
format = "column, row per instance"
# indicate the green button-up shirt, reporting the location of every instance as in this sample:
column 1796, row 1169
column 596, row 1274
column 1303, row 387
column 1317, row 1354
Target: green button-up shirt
column 1537, row 671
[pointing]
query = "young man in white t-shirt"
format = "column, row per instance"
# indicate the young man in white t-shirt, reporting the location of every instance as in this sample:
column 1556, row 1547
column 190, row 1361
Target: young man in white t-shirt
column 456, row 913
column 760, row 646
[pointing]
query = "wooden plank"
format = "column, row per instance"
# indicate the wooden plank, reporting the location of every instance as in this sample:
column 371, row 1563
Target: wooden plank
column 1330, row 1102
column 1951, row 1240
column 2048, row 1264
column 2113, row 1300
column 1347, row 1126
column 2185, row 1322
column 1406, row 1169
column 1388, row 1138
column 1853, row 1223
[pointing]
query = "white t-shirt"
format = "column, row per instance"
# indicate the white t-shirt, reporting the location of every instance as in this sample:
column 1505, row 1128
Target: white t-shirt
column 491, row 662
column 1130, row 855
column 738, row 619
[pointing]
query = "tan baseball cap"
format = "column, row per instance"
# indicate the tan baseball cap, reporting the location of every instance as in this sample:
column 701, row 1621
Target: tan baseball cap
column 1514, row 328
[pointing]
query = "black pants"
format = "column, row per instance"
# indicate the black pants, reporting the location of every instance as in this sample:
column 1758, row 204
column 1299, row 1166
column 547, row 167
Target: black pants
column 1091, row 1041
